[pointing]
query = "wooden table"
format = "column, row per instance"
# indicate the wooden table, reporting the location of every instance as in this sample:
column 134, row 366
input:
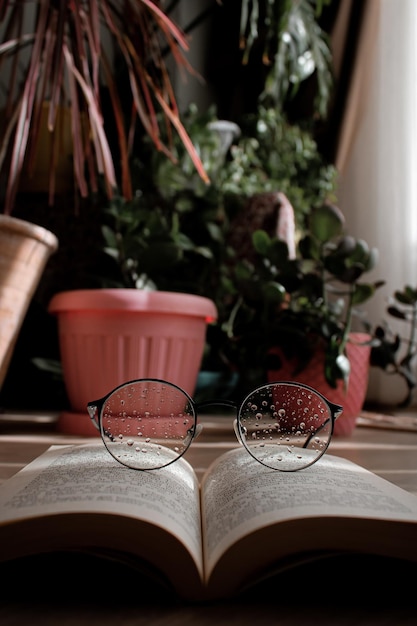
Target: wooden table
column 93, row 595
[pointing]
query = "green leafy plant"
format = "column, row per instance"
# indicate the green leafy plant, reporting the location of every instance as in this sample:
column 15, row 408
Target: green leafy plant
column 396, row 353
column 179, row 234
column 175, row 232
column 268, row 154
column 171, row 235
column 158, row 249
column 289, row 158
column 57, row 52
column 294, row 47
column 302, row 303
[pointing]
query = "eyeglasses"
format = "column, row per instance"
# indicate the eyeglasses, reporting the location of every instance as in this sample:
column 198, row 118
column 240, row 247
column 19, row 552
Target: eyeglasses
column 148, row 424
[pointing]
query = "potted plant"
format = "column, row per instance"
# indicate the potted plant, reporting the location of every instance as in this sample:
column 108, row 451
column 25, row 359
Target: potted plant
column 169, row 238
column 81, row 81
column 178, row 234
column 394, row 351
column 56, row 55
column 158, row 282
column 288, row 311
column 57, row 73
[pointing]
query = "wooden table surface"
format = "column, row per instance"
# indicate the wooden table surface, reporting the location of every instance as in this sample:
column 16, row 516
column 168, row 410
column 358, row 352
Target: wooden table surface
column 51, row 593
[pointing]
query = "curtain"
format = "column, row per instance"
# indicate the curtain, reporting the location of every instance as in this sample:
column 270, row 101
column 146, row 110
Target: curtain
column 358, row 29
column 377, row 160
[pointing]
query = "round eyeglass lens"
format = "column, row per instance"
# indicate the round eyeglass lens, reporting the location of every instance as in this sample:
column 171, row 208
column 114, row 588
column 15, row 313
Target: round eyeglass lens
column 147, row 424
column 285, row 426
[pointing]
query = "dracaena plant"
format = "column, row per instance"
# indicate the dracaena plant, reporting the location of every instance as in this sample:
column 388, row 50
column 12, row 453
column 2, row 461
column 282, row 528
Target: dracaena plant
column 300, row 302
column 57, row 50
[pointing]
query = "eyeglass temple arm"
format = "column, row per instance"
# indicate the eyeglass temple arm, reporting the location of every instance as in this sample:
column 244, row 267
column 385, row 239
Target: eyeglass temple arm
column 93, row 411
column 336, row 412
column 335, row 408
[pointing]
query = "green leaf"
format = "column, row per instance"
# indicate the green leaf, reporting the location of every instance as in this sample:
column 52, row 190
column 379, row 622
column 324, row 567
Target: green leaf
column 362, row 293
column 109, row 236
column 346, row 246
column 326, row 222
column 343, row 366
column 408, row 296
column 273, row 292
column 261, row 241
column 278, row 253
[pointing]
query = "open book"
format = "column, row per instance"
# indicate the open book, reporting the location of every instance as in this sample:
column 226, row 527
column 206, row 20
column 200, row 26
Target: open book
column 211, row 540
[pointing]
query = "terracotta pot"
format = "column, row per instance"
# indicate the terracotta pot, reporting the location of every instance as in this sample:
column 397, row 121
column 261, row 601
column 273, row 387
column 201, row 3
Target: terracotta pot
column 24, row 251
column 313, row 375
column 110, row 336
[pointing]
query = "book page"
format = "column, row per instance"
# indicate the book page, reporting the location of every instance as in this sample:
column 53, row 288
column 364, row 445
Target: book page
column 86, row 480
column 240, row 496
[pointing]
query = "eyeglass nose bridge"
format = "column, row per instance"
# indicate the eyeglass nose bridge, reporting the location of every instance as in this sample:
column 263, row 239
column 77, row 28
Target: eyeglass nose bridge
column 226, row 403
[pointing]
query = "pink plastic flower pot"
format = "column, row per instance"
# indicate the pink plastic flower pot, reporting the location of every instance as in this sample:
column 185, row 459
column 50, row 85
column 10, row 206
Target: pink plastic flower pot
column 110, row 336
column 352, row 400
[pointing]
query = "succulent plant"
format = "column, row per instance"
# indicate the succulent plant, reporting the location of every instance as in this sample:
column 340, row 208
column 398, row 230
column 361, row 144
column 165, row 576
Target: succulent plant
column 396, row 353
column 301, row 303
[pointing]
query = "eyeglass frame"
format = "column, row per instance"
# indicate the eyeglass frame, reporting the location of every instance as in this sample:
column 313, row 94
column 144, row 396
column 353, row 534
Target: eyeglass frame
column 95, row 410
